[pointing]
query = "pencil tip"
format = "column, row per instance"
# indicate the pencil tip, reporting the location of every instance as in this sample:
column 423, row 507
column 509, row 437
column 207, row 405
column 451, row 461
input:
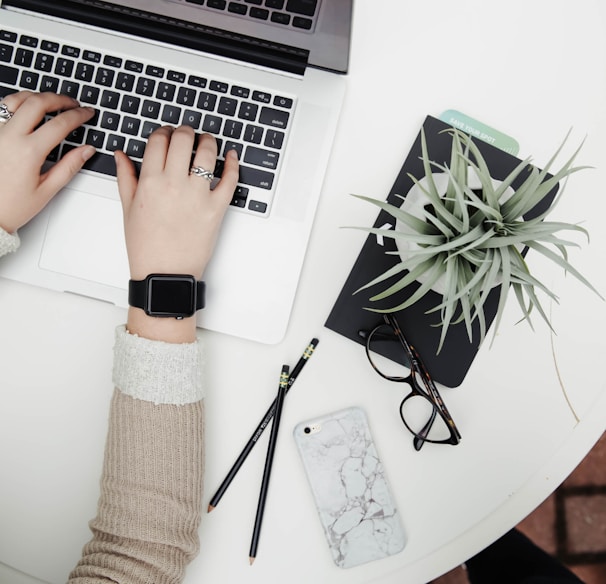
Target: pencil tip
column 210, row 508
column 251, row 560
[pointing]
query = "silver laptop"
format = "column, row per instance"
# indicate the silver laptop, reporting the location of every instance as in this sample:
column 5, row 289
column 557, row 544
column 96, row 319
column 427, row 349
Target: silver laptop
column 263, row 76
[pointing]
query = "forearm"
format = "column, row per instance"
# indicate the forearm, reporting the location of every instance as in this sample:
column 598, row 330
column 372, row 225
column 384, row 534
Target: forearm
column 146, row 529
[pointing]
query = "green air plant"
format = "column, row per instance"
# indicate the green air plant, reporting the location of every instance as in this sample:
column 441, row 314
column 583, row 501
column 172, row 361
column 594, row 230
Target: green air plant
column 469, row 238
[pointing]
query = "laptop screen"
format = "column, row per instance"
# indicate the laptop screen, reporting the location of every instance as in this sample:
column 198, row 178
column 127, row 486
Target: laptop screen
column 287, row 35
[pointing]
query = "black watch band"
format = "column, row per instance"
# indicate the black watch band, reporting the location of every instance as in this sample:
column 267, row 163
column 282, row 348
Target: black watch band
column 167, row 295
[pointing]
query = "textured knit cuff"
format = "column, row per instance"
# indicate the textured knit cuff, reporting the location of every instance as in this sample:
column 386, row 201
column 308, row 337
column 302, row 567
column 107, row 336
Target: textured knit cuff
column 8, row 243
column 158, row 372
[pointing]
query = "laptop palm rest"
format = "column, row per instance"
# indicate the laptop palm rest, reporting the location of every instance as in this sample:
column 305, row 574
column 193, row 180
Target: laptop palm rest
column 83, row 231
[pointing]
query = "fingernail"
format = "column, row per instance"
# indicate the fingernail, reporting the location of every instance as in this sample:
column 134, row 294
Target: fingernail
column 87, row 152
column 233, row 153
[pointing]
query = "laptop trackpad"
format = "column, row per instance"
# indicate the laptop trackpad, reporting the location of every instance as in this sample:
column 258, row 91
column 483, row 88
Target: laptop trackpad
column 85, row 239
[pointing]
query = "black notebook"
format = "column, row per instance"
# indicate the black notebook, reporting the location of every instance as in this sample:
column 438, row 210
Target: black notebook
column 349, row 316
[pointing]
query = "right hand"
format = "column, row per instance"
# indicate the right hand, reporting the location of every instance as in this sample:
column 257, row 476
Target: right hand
column 172, row 218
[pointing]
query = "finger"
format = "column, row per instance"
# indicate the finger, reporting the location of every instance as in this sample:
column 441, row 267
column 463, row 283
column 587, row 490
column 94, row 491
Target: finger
column 206, row 154
column 32, row 109
column 14, row 100
column 154, row 158
column 229, row 179
column 48, row 135
column 127, row 179
column 180, row 150
column 62, row 172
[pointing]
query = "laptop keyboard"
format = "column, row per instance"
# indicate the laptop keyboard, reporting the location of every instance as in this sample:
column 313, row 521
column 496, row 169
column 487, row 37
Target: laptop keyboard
column 133, row 98
column 298, row 15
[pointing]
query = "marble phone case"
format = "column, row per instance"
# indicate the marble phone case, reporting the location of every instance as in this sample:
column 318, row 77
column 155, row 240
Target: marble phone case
column 352, row 496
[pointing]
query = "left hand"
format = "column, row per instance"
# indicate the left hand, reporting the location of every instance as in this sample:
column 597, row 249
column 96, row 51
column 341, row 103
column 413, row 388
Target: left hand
column 25, row 191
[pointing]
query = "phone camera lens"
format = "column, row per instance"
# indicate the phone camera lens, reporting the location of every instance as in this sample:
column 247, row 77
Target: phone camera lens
column 307, row 429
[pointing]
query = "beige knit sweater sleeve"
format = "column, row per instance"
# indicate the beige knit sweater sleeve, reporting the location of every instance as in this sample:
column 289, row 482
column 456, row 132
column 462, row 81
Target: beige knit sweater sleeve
column 146, row 528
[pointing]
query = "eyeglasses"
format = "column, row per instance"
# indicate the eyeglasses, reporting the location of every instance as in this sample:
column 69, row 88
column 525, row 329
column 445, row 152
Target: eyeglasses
column 422, row 411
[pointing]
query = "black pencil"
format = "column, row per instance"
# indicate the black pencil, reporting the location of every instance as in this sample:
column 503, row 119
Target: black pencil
column 259, row 429
column 271, row 448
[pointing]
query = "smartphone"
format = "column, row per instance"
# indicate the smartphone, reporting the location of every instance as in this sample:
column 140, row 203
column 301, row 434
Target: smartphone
column 352, row 497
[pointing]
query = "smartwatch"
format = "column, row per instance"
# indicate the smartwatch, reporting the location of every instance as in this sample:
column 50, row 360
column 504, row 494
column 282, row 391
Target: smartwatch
column 167, row 295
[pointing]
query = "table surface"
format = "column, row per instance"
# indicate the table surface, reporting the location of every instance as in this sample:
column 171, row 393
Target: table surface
column 530, row 409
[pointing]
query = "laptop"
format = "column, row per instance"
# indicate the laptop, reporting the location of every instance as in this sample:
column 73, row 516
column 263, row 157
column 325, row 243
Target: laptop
column 263, row 76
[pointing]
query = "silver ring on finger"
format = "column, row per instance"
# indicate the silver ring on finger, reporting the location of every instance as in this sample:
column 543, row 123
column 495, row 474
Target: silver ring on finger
column 5, row 113
column 202, row 172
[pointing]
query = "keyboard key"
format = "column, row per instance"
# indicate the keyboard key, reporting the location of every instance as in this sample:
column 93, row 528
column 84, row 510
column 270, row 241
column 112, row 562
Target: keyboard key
column 49, row 84
column 248, row 111
column 70, row 88
column 274, row 4
column 207, row 101
column 125, row 81
column 92, row 56
column 257, row 206
column 24, row 57
column 259, row 13
column 186, row 96
column 212, row 124
column 130, row 126
column 84, row 72
column 285, row 102
column 274, row 139
column 253, row 134
column 218, row 86
column 260, row 157
column 166, row 91
column 90, row 94
column 49, row 46
column 115, row 142
column 261, row 96
column 95, row 138
column 196, row 81
column 112, row 61
column 28, row 41
column 133, row 66
column 233, row 129
column 153, row 71
column 105, row 77
column 303, row 23
column 72, row 52
column 110, row 99
column 29, row 80
column 148, row 128
column 171, row 114
column 130, row 104
column 280, row 18
column 101, row 162
column 6, row 53
column 227, row 106
column 238, row 91
column 76, row 136
column 176, row 76
column 256, row 178
column 8, row 36
column 237, row 8
column 218, row 4
column 110, row 120
column 192, row 119
column 8, row 74
column 150, row 109
column 135, row 148
column 273, row 117
column 233, row 146
column 302, row 7
column 145, row 86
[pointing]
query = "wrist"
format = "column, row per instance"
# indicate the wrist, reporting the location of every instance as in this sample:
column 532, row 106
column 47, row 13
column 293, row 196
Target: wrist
column 169, row 330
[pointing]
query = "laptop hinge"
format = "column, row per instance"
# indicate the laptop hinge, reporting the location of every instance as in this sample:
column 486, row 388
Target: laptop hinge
column 173, row 31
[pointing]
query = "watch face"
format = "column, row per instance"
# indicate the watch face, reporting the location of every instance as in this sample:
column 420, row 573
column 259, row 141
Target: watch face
column 171, row 296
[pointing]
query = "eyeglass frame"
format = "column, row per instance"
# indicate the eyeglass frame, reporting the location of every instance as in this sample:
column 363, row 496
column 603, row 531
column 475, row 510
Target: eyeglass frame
column 431, row 393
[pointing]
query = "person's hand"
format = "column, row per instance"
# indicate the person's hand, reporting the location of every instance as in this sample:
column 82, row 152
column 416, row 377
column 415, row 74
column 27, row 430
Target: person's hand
column 171, row 217
column 24, row 146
